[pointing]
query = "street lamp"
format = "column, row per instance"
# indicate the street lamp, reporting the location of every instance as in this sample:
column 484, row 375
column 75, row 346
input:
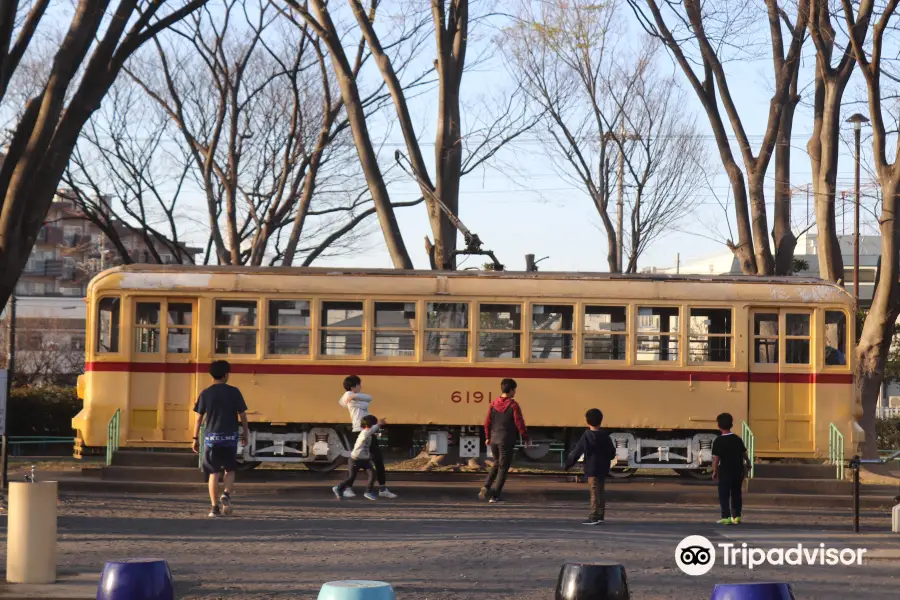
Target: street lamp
column 857, row 120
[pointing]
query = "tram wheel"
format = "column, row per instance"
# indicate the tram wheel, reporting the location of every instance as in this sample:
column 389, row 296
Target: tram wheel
column 325, row 467
column 699, row 474
column 622, row 473
column 536, row 452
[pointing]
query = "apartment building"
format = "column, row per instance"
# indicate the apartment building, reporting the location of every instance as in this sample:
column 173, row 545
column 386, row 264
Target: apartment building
column 70, row 250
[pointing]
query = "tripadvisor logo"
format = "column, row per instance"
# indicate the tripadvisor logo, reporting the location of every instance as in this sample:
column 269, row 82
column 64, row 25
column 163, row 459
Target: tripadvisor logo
column 696, row 555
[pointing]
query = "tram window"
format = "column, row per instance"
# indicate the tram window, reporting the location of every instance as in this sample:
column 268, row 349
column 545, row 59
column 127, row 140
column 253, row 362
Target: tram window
column 500, row 331
column 235, row 328
column 447, row 329
column 765, row 338
column 178, row 333
column 605, row 333
column 289, row 322
column 710, row 335
column 146, row 327
column 657, row 333
column 552, row 328
column 108, row 325
column 835, row 338
column 796, row 342
column 395, row 329
column 342, row 329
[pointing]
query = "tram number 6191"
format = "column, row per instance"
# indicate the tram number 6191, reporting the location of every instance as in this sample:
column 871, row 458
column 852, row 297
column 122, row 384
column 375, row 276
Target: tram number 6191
column 471, row 397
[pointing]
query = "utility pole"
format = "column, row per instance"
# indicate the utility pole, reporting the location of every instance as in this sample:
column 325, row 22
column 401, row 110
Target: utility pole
column 678, row 263
column 10, row 371
column 620, row 204
column 857, row 121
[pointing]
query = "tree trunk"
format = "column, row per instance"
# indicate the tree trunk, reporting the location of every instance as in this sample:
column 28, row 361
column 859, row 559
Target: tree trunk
column 765, row 262
column 874, row 343
column 823, row 155
column 368, row 159
column 782, row 235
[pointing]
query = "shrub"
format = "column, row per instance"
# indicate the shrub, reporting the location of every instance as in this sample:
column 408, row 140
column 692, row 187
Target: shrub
column 44, row 410
column 887, row 434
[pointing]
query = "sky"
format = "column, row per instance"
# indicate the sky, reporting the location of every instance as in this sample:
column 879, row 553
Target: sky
column 531, row 209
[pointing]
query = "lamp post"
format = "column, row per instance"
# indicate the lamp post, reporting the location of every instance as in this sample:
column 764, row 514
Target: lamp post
column 857, row 120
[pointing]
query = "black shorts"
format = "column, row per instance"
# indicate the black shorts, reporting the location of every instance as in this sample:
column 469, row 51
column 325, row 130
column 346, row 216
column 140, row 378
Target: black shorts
column 219, row 458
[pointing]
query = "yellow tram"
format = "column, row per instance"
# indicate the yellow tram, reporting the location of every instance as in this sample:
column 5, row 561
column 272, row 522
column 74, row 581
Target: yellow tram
column 660, row 355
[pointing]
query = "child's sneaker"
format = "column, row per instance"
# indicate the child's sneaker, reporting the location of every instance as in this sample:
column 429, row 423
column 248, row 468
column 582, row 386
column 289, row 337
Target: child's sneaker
column 386, row 493
column 370, row 496
column 496, row 500
column 349, row 493
column 736, row 520
column 337, row 493
column 483, row 493
column 593, row 521
column 214, row 512
column 725, row 521
column 225, row 501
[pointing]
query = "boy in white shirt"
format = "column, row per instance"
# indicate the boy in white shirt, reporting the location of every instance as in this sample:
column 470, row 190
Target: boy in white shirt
column 361, row 458
column 358, row 404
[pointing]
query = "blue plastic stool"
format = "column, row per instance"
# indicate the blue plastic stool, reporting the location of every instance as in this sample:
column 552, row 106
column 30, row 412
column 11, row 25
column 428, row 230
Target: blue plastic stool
column 592, row 581
column 356, row 590
column 136, row 579
column 752, row 591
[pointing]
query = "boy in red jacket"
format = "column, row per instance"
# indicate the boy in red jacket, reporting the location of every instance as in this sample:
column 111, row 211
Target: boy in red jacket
column 504, row 418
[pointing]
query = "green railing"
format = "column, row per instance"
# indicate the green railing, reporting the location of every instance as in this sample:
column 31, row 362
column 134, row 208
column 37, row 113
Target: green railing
column 836, row 450
column 112, row 436
column 750, row 443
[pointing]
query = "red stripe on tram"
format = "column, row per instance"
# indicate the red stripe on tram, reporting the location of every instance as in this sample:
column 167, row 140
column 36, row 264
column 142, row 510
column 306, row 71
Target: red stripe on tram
column 474, row 372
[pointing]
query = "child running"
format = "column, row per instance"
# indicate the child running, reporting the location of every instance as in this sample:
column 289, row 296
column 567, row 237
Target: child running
column 358, row 405
column 730, row 465
column 360, row 458
column 504, row 418
column 598, row 451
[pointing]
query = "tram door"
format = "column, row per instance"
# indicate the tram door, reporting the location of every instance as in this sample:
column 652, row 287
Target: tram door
column 781, row 381
column 181, row 372
column 163, row 384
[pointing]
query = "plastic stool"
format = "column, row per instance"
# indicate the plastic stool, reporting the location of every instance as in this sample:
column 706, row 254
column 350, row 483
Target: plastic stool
column 592, row 581
column 752, row 591
column 356, row 590
column 136, row 579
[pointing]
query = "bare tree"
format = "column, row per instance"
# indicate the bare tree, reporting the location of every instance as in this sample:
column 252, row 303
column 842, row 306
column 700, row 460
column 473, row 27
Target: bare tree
column 874, row 344
column 450, row 20
column 96, row 45
column 123, row 179
column 602, row 107
column 664, row 157
column 701, row 37
column 248, row 94
column 830, row 82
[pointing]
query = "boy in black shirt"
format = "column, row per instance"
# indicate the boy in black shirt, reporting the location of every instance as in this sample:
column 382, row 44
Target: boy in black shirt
column 598, row 451
column 730, row 465
column 219, row 406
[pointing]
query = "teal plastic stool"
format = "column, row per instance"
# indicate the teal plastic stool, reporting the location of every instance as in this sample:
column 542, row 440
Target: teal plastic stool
column 356, row 590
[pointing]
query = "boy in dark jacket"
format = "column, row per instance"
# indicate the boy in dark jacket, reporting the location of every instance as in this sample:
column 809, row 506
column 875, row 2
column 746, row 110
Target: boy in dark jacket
column 598, row 451
column 730, row 466
column 504, row 418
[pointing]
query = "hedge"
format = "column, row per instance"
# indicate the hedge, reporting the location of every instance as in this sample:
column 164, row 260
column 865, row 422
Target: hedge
column 41, row 411
column 887, row 434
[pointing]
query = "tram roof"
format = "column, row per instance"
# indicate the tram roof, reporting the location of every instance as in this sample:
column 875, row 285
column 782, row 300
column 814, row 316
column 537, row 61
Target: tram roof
column 549, row 275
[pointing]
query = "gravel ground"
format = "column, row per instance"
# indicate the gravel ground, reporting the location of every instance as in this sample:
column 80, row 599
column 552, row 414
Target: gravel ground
column 282, row 547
